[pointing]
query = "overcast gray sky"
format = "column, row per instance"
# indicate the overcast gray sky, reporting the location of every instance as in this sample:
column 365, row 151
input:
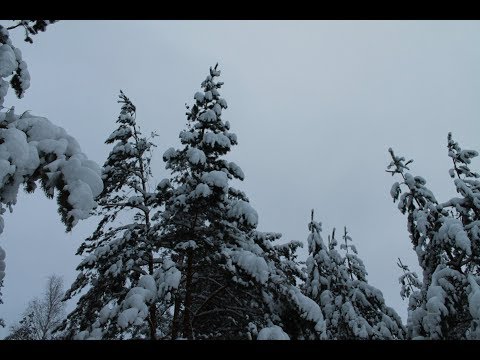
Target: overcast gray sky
column 315, row 106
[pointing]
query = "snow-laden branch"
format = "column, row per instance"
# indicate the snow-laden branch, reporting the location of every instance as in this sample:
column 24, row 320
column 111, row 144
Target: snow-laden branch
column 33, row 149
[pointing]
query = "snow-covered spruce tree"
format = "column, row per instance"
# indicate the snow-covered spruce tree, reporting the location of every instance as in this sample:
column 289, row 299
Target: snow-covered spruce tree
column 127, row 273
column 352, row 308
column 232, row 276
column 445, row 237
column 32, row 150
column 298, row 315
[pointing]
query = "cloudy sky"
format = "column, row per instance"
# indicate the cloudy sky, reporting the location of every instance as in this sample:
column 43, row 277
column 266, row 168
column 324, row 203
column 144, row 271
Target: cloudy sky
column 315, row 106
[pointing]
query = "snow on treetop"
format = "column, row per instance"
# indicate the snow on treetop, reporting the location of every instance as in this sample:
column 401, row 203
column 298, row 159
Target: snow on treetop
column 126, row 118
column 314, row 240
column 214, row 71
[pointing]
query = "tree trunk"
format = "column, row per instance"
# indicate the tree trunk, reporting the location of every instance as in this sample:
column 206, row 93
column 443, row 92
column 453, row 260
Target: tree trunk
column 176, row 309
column 175, row 320
column 153, row 307
column 187, row 328
column 153, row 321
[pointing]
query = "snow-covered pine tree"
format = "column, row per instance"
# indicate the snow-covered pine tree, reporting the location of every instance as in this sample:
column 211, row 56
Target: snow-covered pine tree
column 32, row 150
column 366, row 305
column 325, row 277
column 446, row 238
column 288, row 308
column 231, row 279
column 352, row 308
column 126, row 272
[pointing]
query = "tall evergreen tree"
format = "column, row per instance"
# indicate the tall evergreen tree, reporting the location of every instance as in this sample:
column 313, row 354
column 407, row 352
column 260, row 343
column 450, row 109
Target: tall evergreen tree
column 352, row 308
column 232, row 277
column 446, row 239
column 125, row 268
column 298, row 315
